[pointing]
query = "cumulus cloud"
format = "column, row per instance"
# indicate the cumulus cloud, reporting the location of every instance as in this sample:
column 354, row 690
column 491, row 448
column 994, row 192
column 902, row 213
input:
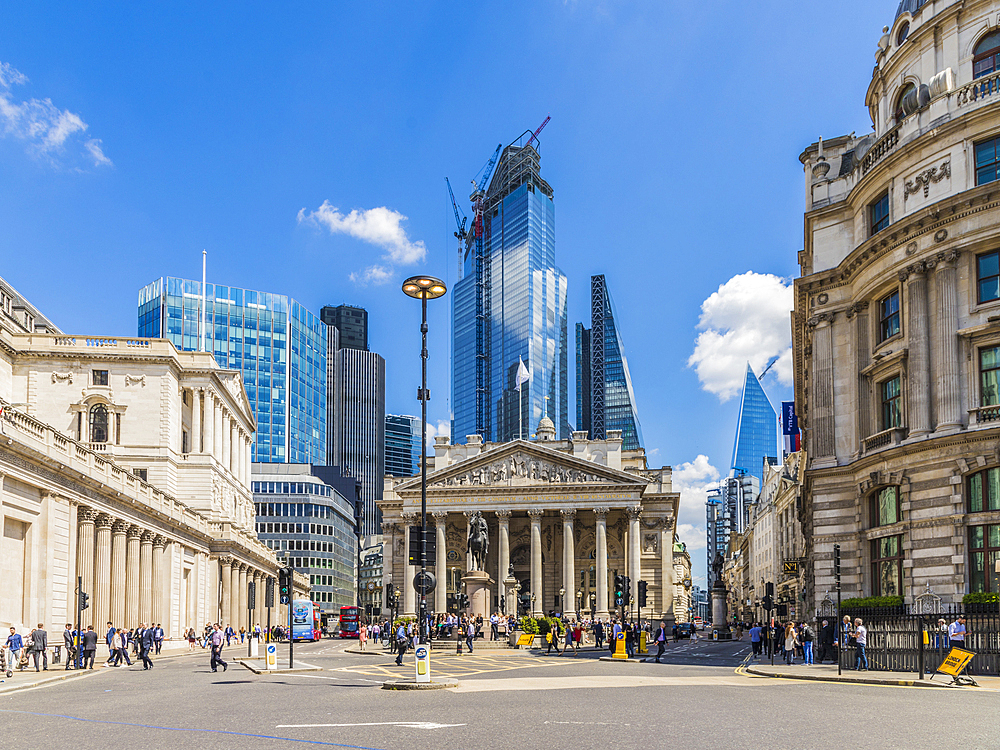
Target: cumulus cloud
column 381, row 227
column 441, row 429
column 693, row 480
column 745, row 320
column 47, row 130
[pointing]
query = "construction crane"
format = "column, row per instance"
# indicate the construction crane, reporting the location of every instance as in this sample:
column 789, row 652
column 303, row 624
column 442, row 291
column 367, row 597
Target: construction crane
column 534, row 136
column 461, row 234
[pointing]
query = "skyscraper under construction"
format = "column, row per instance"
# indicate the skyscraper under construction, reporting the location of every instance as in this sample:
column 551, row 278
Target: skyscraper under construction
column 510, row 306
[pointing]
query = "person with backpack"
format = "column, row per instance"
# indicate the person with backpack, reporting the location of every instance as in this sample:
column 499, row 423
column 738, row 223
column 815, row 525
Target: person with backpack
column 401, row 643
column 807, row 636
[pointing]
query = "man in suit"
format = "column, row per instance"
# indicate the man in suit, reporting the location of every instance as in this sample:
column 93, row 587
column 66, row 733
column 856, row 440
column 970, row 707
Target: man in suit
column 89, row 646
column 145, row 638
column 158, row 638
column 216, row 644
column 107, row 639
column 40, row 647
column 69, row 645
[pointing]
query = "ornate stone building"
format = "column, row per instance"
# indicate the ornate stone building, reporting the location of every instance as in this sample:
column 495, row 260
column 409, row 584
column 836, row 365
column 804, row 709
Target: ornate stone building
column 896, row 327
column 565, row 514
column 127, row 463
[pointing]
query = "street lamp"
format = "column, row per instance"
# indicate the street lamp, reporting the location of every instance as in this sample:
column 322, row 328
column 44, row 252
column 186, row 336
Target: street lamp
column 423, row 288
column 562, row 601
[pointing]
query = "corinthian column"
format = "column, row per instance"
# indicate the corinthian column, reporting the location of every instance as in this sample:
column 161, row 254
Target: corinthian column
column 602, row 562
column 208, row 440
column 118, row 587
column 441, row 562
column 226, row 437
column 146, row 577
column 918, row 392
column 85, row 548
column 409, row 593
column 159, row 581
column 823, row 436
column 947, row 377
column 634, row 569
column 569, row 563
column 667, row 569
column 242, row 619
column 227, row 586
column 503, row 536
column 537, row 605
column 102, row 573
column 196, row 420
column 132, row 578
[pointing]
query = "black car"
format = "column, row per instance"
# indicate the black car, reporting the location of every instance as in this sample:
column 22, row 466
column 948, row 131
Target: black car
column 685, row 629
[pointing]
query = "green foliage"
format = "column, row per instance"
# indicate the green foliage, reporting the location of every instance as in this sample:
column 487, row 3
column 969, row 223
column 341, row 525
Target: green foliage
column 981, row 597
column 402, row 621
column 529, row 625
column 872, row 601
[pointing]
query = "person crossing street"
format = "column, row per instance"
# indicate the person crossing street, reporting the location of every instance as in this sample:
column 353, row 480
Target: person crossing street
column 216, row 639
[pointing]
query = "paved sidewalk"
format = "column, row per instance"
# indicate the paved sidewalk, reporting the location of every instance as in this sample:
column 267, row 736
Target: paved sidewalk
column 828, row 672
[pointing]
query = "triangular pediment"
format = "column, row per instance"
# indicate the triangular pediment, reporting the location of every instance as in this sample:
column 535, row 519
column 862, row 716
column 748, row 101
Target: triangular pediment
column 523, row 464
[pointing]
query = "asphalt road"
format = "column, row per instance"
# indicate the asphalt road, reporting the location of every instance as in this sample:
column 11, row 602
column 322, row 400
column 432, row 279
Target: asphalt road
column 695, row 701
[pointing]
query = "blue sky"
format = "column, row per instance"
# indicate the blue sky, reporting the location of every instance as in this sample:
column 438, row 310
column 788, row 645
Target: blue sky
column 133, row 137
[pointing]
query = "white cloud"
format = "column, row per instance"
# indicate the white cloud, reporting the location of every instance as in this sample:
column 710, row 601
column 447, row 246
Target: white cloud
column 381, row 227
column 43, row 126
column 693, row 479
column 745, row 320
column 441, row 429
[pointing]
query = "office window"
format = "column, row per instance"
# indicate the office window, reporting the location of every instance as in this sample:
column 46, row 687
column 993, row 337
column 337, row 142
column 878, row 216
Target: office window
column 879, row 214
column 988, row 276
column 888, row 317
column 987, row 163
column 885, row 507
column 142, row 474
column 989, row 370
column 984, row 544
column 984, row 490
column 100, row 377
column 891, row 414
column 99, row 424
column 887, row 566
column 986, row 56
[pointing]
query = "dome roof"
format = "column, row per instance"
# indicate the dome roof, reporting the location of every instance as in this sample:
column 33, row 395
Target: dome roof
column 546, row 429
column 909, row 6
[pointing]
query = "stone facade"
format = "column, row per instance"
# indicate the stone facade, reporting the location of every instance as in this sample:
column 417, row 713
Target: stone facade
column 565, row 514
column 888, row 476
column 127, row 463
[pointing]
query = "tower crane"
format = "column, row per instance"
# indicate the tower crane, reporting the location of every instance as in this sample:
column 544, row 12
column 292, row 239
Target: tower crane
column 461, row 234
column 534, row 136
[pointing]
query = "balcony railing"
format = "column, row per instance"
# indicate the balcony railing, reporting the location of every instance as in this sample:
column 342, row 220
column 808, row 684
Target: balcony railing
column 981, row 88
column 882, row 148
column 984, row 415
column 884, row 439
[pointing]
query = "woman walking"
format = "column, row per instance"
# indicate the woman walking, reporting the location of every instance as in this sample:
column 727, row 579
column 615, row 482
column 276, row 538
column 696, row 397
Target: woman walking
column 790, row 641
column 191, row 638
column 363, row 635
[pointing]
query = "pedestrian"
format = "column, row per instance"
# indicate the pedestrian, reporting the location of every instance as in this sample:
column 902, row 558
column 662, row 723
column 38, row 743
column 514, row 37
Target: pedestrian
column 230, row 633
column 69, row 643
column 861, row 642
column 363, row 636
column 676, row 633
column 495, row 626
column 826, row 640
column 146, row 644
column 552, row 637
column 216, row 642
column 401, row 643
column 957, row 633
column 40, row 645
column 807, row 636
column 598, row 634
column 107, row 640
column 89, row 647
column 577, row 636
column 661, row 639
column 243, row 633
column 470, row 633
column 14, row 644
column 790, row 641
column 158, row 638
column 192, row 638
column 755, row 640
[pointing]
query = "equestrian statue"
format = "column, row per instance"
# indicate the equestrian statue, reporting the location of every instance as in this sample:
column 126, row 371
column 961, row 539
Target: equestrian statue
column 479, row 541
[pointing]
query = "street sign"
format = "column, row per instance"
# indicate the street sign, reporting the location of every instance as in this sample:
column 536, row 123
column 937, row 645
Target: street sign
column 271, row 657
column 423, row 665
column 429, row 581
column 790, row 567
column 525, row 639
column 956, row 660
column 619, row 647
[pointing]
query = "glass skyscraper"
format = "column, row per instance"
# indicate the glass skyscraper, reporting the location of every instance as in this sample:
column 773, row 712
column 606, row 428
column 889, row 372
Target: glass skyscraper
column 756, row 430
column 510, row 306
column 278, row 346
column 605, row 399
column 402, row 445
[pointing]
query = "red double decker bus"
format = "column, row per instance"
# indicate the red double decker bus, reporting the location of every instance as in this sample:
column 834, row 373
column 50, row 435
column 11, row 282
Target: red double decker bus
column 349, row 620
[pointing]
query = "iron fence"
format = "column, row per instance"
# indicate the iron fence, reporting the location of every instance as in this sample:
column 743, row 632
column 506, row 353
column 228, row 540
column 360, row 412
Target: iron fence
column 896, row 640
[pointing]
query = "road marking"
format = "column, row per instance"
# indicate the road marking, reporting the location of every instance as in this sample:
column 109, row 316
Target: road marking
column 592, row 723
column 590, row 681
column 404, row 724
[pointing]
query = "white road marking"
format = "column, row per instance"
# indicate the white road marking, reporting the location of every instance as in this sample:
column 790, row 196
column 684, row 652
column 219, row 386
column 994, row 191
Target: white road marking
column 322, row 677
column 590, row 681
column 404, row 724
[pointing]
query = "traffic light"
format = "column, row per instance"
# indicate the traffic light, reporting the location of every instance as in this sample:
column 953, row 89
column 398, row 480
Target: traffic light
column 251, row 595
column 642, row 594
column 285, row 585
column 619, row 591
column 269, row 593
column 836, row 563
column 84, row 601
column 628, row 590
column 414, row 550
column 769, row 590
column 768, row 602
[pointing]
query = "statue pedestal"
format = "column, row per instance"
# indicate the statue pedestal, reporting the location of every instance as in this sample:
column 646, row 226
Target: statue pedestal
column 477, row 587
column 510, row 595
column 720, row 615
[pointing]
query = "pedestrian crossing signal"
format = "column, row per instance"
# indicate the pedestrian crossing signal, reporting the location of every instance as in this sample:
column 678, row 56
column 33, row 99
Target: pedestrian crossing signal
column 619, row 591
column 642, row 593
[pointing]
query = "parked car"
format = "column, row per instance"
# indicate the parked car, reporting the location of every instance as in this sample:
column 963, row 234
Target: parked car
column 685, row 629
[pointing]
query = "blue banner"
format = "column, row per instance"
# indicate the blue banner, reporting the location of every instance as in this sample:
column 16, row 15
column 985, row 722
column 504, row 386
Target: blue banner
column 302, row 619
column 789, row 420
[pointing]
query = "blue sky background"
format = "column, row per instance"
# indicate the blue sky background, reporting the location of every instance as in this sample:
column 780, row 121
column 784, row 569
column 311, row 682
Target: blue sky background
column 672, row 151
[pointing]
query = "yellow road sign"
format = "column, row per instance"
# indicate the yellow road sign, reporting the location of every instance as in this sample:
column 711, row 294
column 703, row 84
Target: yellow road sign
column 956, row 660
column 525, row 639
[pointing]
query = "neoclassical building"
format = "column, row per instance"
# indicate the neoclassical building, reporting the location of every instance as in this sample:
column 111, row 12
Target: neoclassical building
column 565, row 514
column 896, row 327
column 127, row 463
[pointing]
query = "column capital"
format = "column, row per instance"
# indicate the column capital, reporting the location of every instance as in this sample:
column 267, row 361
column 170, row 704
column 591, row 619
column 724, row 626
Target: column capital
column 147, row 537
column 160, row 541
column 602, row 513
column 408, row 518
column 389, row 527
column 633, row 512
column 568, row 514
column 104, row 521
column 226, row 560
column 503, row 514
column 535, row 513
column 120, row 527
column 440, row 516
column 86, row 514
column 947, row 259
column 134, row 532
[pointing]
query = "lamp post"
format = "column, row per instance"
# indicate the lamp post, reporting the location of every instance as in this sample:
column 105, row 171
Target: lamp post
column 423, row 288
column 562, row 601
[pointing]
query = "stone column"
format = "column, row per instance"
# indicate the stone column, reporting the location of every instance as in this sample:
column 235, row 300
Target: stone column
column 216, row 428
column 918, row 386
column 157, row 614
column 537, row 604
column 260, row 618
column 226, row 435
column 132, row 578
column 823, row 437
column 196, row 420
column 227, row 582
column 602, row 563
column 101, row 601
column 119, row 591
column 234, row 449
column 208, row 440
column 441, row 562
column 569, row 563
column 146, row 577
column 947, row 378
column 242, row 619
column 85, row 553
column 409, row 593
column 863, row 357
column 503, row 542
column 388, row 560
column 634, row 569
column 667, row 570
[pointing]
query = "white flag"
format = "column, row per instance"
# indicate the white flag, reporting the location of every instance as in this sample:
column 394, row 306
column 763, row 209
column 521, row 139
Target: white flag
column 523, row 376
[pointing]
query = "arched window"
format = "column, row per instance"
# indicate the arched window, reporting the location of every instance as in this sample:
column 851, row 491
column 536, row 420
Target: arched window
column 986, row 56
column 885, row 507
column 99, row 424
column 904, row 31
column 898, row 111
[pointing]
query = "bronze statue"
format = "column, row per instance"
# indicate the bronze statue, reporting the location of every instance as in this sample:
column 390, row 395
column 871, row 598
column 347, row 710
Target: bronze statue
column 479, row 541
